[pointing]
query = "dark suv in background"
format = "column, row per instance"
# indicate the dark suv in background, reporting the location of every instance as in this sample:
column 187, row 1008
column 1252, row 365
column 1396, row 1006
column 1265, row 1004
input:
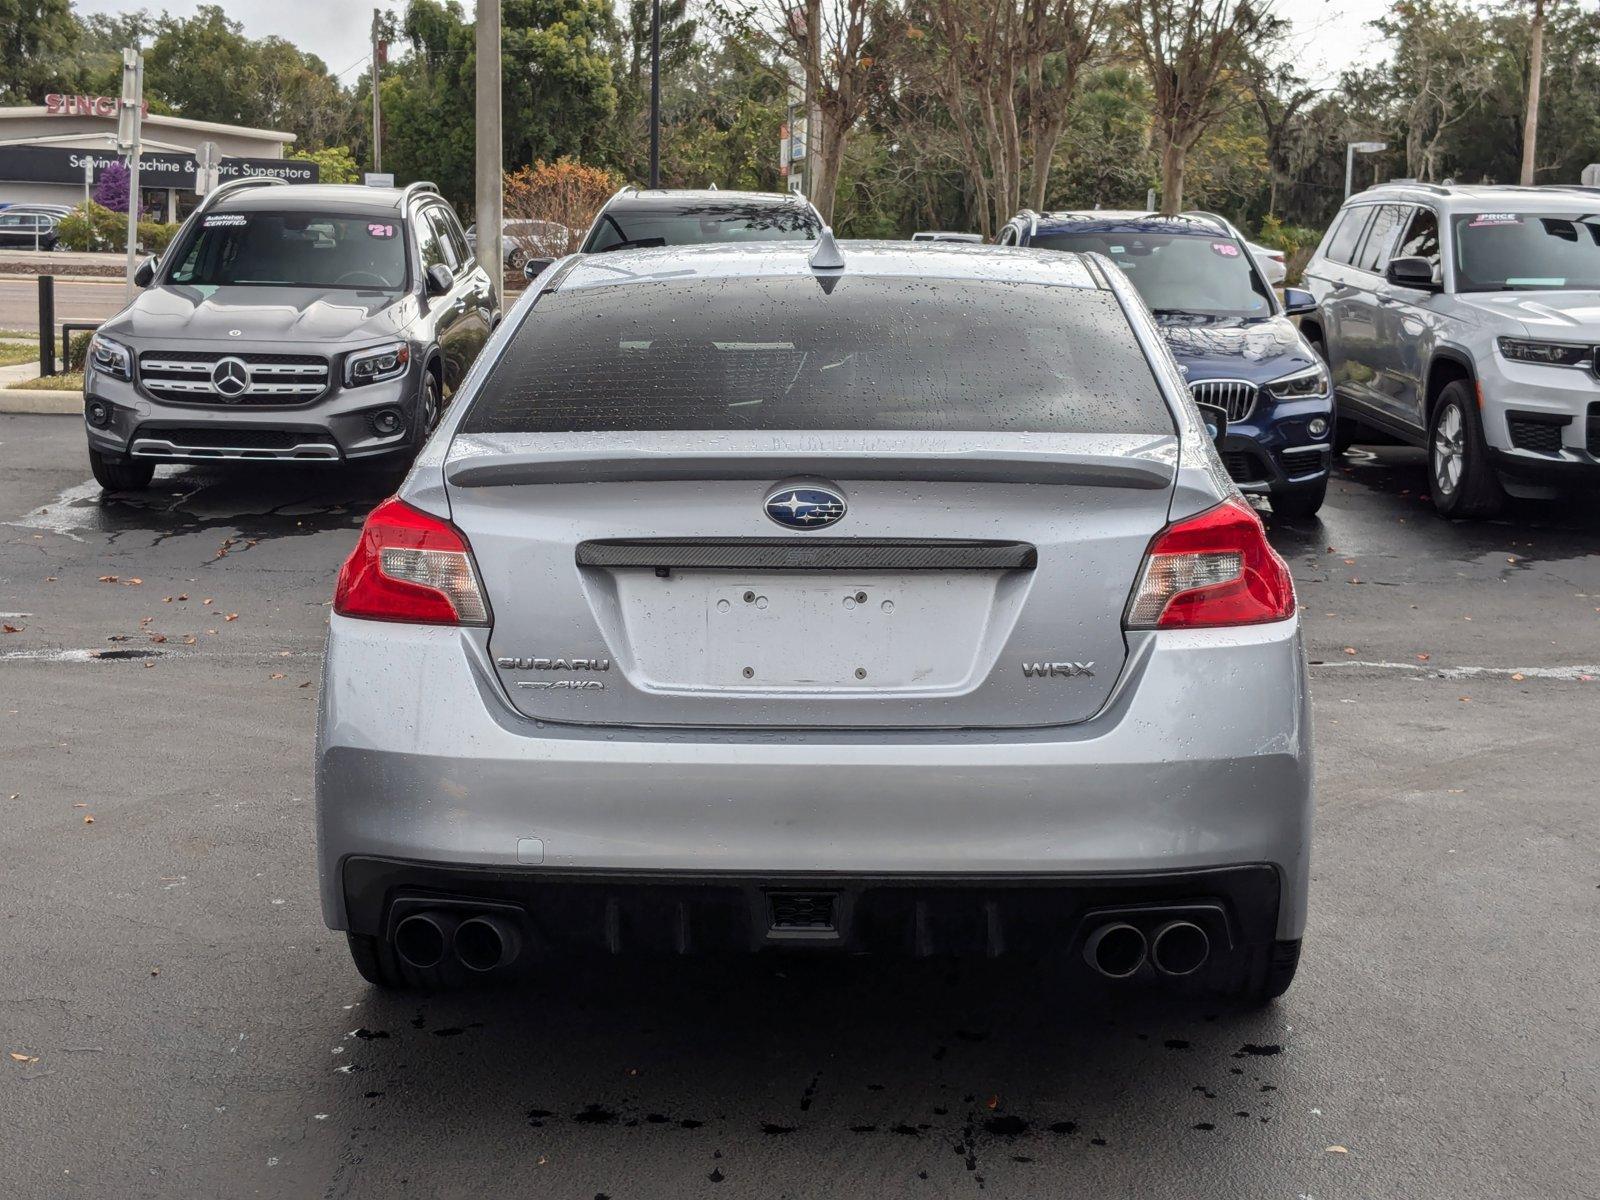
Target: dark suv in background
column 303, row 323
column 1228, row 331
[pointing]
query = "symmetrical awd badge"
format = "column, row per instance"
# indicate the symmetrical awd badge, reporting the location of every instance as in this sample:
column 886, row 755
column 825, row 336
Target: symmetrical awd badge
column 805, row 507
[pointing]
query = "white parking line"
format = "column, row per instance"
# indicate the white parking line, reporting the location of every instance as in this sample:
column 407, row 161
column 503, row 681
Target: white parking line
column 1573, row 674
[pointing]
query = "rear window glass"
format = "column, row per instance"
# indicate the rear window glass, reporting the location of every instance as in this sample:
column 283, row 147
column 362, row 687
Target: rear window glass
column 807, row 353
column 693, row 223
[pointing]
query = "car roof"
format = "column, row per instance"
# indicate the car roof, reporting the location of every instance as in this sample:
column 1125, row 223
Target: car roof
column 1480, row 197
column 317, row 197
column 633, row 197
column 880, row 259
column 1129, row 221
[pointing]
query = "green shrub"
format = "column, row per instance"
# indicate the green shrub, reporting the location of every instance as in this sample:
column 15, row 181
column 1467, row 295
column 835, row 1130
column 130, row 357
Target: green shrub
column 156, row 236
column 1288, row 238
column 73, row 349
column 92, row 226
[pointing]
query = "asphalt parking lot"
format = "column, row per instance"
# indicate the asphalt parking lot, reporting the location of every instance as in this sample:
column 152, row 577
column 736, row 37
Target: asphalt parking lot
column 177, row 1022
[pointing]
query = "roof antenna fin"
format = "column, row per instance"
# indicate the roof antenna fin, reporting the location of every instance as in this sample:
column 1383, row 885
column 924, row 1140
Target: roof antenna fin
column 826, row 257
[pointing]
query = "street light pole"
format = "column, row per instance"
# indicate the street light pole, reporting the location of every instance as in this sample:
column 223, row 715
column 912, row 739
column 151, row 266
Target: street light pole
column 490, row 156
column 655, row 93
column 129, row 135
column 377, row 100
column 1351, row 149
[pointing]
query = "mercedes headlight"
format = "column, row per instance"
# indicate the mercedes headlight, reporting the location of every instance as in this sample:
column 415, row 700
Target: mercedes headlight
column 377, row 364
column 112, row 358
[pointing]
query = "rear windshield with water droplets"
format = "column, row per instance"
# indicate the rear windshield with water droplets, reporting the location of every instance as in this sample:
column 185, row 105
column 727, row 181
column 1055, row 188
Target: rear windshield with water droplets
column 812, row 352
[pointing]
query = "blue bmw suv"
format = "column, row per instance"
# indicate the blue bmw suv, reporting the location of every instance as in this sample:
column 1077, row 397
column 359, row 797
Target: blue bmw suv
column 1228, row 331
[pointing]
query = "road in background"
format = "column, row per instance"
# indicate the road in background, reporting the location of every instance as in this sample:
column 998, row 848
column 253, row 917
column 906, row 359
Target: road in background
column 186, row 1027
column 76, row 300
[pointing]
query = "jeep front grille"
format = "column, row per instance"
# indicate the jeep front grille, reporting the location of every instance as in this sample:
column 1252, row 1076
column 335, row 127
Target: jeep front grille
column 1235, row 396
column 187, row 377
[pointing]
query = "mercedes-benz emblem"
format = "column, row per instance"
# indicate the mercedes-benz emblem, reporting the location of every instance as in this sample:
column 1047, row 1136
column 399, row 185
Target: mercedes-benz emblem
column 230, row 377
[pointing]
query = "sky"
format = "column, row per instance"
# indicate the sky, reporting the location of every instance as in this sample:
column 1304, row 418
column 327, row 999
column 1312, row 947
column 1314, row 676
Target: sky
column 1329, row 35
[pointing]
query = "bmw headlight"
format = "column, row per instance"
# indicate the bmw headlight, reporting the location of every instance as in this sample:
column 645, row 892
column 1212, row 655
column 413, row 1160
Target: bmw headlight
column 1551, row 354
column 377, row 364
column 113, row 358
column 1313, row 381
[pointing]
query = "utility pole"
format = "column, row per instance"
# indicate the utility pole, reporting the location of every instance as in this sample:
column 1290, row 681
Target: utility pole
column 490, row 154
column 377, row 101
column 129, row 122
column 1530, row 119
column 655, row 93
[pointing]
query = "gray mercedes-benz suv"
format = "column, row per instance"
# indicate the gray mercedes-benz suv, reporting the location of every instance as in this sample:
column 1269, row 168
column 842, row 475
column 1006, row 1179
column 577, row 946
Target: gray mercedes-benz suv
column 308, row 324
column 1464, row 319
column 879, row 597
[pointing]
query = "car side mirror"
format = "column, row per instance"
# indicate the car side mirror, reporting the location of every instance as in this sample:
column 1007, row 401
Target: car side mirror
column 1297, row 302
column 534, row 267
column 144, row 274
column 440, row 281
column 1216, row 420
column 1414, row 273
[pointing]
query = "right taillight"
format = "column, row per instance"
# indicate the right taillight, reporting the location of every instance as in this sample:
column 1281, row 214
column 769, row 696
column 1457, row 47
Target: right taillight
column 1213, row 569
column 410, row 566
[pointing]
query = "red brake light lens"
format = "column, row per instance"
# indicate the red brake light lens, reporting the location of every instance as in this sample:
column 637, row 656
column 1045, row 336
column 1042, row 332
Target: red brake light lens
column 410, row 566
column 1212, row 570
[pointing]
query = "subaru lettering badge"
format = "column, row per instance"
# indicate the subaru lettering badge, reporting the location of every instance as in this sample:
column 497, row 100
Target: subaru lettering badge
column 230, row 378
column 805, row 507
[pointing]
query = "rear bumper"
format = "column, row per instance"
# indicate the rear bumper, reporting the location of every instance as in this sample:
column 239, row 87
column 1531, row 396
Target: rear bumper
column 568, row 913
column 1201, row 759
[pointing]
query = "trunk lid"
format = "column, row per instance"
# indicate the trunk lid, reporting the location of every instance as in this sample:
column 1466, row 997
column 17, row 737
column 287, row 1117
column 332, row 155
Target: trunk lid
column 974, row 580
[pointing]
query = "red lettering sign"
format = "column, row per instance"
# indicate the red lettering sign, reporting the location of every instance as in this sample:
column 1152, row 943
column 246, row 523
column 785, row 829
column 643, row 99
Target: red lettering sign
column 58, row 105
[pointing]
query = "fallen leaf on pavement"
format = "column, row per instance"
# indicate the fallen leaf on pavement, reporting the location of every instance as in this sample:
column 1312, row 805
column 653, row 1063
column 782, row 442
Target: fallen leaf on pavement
column 158, row 638
column 135, row 581
column 1336, row 1150
column 88, row 820
column 108, row 579
column 189, row 639
column 1424, row 657
column 15, row 1057
column 207, row 600
column 12, row 628
column 1518, row 676
column 276, row 675
column 231, row 617
column 1349, row 649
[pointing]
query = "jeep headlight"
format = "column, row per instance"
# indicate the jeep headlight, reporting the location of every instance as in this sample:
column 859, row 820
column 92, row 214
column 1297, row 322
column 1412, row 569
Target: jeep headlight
column 1301, row 385
column 1551, row 354
column 112, row 358
column 377, row 364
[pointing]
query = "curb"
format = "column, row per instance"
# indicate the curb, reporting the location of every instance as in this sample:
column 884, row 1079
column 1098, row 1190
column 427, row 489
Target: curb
column 33, row 277
column 38, row 400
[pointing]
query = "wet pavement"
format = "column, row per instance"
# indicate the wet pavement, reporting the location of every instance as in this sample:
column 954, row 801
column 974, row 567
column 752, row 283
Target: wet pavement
column 176, row 1022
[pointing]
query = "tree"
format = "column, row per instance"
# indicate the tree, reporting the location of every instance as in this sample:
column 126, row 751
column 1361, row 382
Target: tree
column 1188, row 47
column 839, row 45
column 34, row 35
column 565, row 192
column 1441, row 73
column 1279, row 94
column 1008, row 70
column 335, row 164
column 1530, row 121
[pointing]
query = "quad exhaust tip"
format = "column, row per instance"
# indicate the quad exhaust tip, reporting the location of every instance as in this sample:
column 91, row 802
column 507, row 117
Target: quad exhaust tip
column 481, row 943
column 1179, row 948
column 1116, row 950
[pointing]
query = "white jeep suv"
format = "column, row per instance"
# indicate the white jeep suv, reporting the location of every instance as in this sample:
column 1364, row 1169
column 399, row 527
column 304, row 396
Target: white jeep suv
column 1466, row 320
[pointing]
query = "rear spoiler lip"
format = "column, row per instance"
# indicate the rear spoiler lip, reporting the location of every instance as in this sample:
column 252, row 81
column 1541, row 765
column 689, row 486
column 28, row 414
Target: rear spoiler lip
column 987, row 466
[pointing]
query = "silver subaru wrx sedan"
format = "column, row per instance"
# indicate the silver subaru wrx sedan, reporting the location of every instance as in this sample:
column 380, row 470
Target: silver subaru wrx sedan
column 813, row 597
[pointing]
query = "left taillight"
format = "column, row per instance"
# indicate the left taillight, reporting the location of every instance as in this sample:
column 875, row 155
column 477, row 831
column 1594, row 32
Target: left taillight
column 410, row 566
column 1211, row 570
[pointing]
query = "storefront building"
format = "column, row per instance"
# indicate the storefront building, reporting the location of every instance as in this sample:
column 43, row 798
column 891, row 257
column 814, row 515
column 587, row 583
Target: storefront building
column 52, row 154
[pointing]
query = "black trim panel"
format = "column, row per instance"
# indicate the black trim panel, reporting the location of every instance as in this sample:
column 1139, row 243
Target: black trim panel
column 809, row 554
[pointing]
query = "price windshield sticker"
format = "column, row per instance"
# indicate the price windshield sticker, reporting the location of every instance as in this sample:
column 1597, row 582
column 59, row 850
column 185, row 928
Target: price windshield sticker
column 1494, row 219
column 379, row 230
column 1226, row 249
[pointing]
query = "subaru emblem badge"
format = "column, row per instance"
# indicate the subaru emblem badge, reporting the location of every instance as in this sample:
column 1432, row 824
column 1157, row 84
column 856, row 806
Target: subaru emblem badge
column 804, row 507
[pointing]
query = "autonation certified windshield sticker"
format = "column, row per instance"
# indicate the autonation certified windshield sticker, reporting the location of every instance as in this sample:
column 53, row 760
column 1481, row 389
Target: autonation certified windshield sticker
column 1226, row 249
column 379, row 230
column 1495, row 219
column 217, row 220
